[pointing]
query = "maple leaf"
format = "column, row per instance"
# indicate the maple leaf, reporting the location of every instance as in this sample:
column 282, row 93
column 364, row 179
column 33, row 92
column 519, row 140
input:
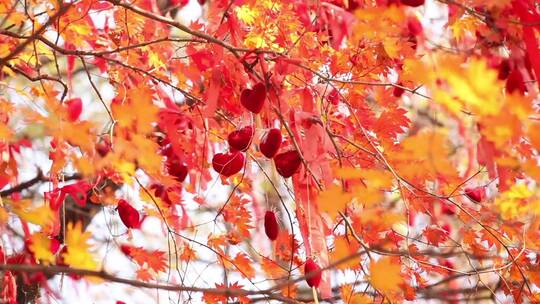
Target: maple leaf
column 41, row 247
column 272, row 268
column 216, row 298
column 392, row 122
column 290, row 291
column 349, row 295
column 424, row 156
column 283, row 245
column 374, row 182
column 41, row 215
column 385, row 275
column 246, row 14
column 435, row 235
column 217, row 242
column 243, row 264
column 463, row 26
column 144, row 274
column 344, row 249
column 534, row 135
column 236, row 213
column 177, row 97
column 375, row 178
column 126, row 171
column 154, row 259
column 475, row 86
column 515, row 201
column 78, row 250
column 333, row 200
column 188, row 254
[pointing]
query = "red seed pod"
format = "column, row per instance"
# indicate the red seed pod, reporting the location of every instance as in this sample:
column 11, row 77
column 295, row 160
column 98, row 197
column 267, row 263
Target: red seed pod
column 515, row 82
column 74, row 108
column 271, row 226
column 129, row 215
column 253, row 99
column 414, row 26
column 228, row 164
column 504, row 69
column 287, row 163
column 448, row 209
column 311, row 267
column 398, row 91
column 270, row 143
column 241, row 139
column 103, row 147
column 413, row 3
column 476, row 195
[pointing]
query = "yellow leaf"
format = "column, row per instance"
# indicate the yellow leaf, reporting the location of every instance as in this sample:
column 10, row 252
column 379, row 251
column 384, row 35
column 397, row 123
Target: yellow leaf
column 78, row 250
column 391, row 46
column 474, row 86
column 515, row 202
column 424, row 155
column 41, row 215
column 126, row 170
column 386, row 276
column 370, row 192
column 333, row 200
column 41, row 246
column 246, row 14
column 16, row 18
column 417, row 71
column 463, row 26
column 255, row 40
column 154, row 60
column 375, row 178
column 145, row 153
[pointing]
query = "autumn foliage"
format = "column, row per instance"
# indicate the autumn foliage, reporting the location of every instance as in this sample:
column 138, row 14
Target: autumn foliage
column 364, row 151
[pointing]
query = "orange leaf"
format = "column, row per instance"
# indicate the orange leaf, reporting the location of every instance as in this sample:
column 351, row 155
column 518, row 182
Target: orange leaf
column 349, row 295
column 155, row 260
column 243, row 264
column 386, row 276
column 333, row 200
column 344, row 249
column 272, row 268
column 143, row 274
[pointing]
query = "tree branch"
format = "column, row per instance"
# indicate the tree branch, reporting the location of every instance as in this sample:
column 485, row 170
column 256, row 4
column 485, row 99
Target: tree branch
column 111, row 278
column 29, row 183
column 63, row 9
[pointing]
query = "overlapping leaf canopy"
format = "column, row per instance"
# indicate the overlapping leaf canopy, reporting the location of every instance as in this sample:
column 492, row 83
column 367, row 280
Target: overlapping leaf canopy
column 415, row 131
